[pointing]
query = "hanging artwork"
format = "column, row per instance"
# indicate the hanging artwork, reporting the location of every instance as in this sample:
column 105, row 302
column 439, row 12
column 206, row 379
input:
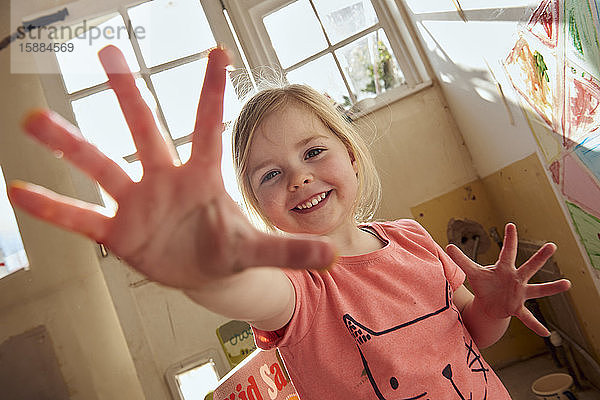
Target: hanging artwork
column 588, row 152
column 579, row 186
column 532, row 70
column 588, row 228
column 544, row 23
column 555, row 68
column 581, row 36
column 582, row 106
column 547, row 140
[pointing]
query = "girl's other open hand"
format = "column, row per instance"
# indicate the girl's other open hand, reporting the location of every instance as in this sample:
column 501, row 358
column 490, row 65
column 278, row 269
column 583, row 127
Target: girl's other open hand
column 178, row 226
column 501, row 289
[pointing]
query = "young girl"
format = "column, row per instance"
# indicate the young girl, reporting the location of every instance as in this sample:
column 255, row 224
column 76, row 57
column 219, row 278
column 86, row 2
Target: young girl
column 359, row 310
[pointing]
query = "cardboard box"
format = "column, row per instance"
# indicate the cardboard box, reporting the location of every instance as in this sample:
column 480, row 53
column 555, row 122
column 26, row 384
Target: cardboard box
column 261, row 376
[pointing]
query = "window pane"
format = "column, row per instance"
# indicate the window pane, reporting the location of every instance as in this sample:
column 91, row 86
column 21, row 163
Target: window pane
column 195, row 383
column 344, row 18
column 81, row 68
column 172, row 29
column 295, row 32
column 12, row 253
column 370, row 66
column 178, row 90
column 323, row 75
column 102, row 123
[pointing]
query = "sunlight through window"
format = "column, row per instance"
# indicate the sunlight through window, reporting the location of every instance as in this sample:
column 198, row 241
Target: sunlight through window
column 197, row 382
column 12, row 252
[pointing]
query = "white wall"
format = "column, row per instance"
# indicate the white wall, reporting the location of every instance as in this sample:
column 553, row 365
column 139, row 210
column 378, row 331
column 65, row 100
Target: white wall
column 458, row 52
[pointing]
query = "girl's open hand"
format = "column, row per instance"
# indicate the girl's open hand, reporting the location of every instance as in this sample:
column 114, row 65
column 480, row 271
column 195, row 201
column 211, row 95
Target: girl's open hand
column 501, row 289
column 178, row 226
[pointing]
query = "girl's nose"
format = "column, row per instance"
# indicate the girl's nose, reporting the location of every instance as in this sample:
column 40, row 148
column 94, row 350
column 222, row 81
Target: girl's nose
column 299, row 181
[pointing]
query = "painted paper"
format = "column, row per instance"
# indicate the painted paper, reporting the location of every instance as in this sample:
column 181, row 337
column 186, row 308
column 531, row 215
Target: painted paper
column 532, row 70
column 582, row 107
column 554, row 66
column 554, row 169
column 588, row 152
column 581, row 35
column 579, row 186
column 588, row 228
column 547, row 140
column 543, row 23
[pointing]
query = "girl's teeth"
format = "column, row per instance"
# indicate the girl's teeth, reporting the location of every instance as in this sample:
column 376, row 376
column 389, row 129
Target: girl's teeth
column 312, row 202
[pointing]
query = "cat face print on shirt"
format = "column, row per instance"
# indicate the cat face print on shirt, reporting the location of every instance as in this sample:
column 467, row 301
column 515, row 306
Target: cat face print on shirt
column 428, row 357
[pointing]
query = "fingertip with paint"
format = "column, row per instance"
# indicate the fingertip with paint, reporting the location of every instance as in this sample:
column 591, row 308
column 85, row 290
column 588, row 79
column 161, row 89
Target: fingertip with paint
column 221, row 52
column 32, row 119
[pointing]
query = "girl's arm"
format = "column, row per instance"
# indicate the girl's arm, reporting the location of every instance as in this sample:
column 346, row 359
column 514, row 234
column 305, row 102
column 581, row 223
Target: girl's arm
column 500, row 290
column 264, row 297
column 177, row 226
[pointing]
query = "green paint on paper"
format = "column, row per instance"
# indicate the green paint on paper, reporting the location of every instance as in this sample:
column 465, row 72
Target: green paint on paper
column 575, row 32
column 588, row 229
column 540, row 67
column 583, row 45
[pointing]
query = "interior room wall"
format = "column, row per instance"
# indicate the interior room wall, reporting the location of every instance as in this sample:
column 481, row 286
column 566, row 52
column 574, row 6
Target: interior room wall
column 418, row 150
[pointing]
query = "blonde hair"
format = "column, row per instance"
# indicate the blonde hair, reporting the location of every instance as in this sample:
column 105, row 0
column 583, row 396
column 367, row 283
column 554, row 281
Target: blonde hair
column 267, row 101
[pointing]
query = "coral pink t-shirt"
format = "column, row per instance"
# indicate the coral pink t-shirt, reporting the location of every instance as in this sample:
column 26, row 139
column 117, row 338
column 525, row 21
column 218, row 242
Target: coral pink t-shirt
column 382, row 325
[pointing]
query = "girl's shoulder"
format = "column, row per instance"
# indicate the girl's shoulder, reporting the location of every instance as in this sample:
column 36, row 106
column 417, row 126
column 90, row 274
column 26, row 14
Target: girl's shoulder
column 403, row 224
column 405, row 228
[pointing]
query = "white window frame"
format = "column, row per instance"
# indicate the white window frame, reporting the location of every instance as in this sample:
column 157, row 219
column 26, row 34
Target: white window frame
column 59, row 99
column 249, row 21
column 210, row 355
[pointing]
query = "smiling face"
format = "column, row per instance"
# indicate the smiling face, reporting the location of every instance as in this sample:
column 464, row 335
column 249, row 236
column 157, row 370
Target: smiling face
column 302, row 175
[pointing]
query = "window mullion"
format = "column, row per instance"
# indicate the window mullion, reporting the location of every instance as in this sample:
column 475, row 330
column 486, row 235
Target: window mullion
column 334, row 47
column 408, row 67
column 348, row 88
column 320, row 22
column 330, row 49
column 80, row 94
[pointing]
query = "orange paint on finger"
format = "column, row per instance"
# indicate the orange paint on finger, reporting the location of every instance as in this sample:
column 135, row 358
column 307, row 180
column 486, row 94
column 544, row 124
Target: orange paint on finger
column 32, row 118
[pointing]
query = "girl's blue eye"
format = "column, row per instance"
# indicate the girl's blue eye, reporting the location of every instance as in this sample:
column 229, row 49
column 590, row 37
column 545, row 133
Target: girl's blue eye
column 313, row 153
column 270, row 176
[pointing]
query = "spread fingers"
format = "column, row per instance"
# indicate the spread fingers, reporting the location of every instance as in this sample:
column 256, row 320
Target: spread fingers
column 68, row 213
column 59, row 135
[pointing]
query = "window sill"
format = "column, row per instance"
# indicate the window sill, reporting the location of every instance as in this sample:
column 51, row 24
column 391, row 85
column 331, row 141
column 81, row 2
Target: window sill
column 368, row 106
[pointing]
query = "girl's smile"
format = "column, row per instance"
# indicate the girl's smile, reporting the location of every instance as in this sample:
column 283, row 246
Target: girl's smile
column 313, row 203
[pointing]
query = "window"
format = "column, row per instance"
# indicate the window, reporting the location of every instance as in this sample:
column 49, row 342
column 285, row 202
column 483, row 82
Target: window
column 195, row 377
column 166, row 44
column 12, row 253
column 196, row 382
column 352, row 50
